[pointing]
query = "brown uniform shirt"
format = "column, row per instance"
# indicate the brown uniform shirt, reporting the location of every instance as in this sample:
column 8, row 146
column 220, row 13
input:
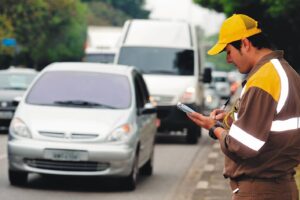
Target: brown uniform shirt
column 264, row 140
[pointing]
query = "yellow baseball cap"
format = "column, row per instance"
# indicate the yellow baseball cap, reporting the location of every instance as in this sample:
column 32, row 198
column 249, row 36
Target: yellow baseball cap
column 234, row 28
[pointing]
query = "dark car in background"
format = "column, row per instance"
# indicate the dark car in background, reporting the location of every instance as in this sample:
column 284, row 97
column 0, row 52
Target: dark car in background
column 13, row 83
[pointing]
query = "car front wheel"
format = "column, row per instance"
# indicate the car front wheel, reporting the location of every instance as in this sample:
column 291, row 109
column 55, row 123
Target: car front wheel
column 17, row 178
column 130, row 181
column 147, row 169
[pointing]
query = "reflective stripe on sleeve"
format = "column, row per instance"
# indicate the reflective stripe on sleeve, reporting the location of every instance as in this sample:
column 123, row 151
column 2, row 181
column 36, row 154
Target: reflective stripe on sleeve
column 245, row 138
column 284, row 90
column 285, row 125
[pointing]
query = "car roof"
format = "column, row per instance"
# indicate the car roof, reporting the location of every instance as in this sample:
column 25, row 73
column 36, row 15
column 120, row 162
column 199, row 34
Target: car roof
column 162, row 33
column 90, row 67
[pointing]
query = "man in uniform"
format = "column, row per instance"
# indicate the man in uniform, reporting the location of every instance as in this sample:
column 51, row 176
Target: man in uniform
column 260, row 136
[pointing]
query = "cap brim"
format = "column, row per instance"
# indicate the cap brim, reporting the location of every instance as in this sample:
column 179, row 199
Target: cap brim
column 216, row 49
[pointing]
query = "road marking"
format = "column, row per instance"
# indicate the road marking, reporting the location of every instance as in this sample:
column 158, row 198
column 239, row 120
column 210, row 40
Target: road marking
column 209, row 168
column 2, row 156
column 202, row 185
column 213, row 155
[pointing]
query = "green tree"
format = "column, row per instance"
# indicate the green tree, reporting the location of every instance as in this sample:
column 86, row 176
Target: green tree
column 279, row 19
column 6, row 31
column 103, row 14
column 47, row 30
column 132, row 8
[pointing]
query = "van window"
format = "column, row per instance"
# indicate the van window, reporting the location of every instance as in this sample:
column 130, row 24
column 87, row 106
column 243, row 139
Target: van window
column 154, row 60
column 99, row 57
column 81, row 89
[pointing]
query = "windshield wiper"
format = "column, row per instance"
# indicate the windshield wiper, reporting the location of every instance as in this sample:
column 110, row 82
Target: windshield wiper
column 83, row 103
column 14, row 88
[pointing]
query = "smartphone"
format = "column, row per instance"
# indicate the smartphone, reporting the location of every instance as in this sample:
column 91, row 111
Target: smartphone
column 184, row 108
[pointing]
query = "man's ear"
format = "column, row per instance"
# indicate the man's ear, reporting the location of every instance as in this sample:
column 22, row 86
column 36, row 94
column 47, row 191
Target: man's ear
column 246, row 44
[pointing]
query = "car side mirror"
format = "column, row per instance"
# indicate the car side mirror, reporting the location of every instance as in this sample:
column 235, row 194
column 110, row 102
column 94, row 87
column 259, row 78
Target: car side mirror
column 148, row 109
column 16, row 101
column 207, row 75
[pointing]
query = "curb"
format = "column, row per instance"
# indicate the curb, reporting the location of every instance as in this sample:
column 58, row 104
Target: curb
column 212, row 185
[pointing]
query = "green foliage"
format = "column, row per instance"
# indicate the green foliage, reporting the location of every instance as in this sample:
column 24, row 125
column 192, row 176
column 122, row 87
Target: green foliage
column 103, row 14
column 6, row 31
column 279, row 19
column 47, row 30
column 131, row 7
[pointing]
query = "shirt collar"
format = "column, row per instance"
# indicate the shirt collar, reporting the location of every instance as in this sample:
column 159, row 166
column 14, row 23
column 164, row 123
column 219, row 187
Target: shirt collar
column 275, row 54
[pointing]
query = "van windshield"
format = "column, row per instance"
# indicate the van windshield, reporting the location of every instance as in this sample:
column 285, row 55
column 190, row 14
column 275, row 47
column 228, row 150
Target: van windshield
column 99, row 58
column 154, row 60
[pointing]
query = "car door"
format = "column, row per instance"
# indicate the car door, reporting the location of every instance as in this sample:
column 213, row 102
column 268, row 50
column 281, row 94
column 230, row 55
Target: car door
column 145, row 121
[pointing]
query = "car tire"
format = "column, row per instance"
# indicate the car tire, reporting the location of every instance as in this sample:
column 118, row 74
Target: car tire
column 147, row 168
column 130, row 181
column 17, row 178
column 193, row 135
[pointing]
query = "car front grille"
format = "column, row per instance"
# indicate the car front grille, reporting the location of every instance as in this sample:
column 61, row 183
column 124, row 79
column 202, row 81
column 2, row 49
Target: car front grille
column 69, row 136
column 66, row 165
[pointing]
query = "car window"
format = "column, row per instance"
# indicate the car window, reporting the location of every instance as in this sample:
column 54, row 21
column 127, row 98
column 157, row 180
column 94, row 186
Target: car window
column 220, row 79
column 15, row 81
column 81, row 89
column 142, row 96
column 99, row 58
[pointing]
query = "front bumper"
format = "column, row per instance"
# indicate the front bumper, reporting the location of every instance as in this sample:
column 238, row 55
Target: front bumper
column 6, row 114
column 173, row 119
column 102, row 159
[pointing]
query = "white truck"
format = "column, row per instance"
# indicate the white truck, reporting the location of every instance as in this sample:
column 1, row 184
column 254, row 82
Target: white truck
column 101, row 43
column 167, row 54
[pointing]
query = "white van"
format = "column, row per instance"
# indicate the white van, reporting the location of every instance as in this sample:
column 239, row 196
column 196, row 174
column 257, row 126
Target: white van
column 101, row 44
column 166, row 52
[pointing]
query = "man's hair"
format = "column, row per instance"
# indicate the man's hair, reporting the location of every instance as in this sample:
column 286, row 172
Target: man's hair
column 259, row 41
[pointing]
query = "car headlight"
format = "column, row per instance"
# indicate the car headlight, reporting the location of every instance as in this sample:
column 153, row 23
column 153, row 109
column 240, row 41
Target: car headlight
column 121, row 133
column 188, row 95
column 19, row 128
column 211, row 101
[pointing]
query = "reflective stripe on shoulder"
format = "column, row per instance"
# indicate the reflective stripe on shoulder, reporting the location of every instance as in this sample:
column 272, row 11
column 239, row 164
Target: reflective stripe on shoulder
column 285, row 125
column 245, row 138
column 284, row 91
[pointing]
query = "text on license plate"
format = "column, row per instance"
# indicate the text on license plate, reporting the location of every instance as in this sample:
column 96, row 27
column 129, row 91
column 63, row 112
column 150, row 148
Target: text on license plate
column 65, row 155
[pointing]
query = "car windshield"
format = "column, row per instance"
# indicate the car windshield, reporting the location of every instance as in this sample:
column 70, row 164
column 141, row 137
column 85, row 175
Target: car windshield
column 15, row 81
column 153, row 60
column 99, row 58
column 81, row 89
column 220, row 79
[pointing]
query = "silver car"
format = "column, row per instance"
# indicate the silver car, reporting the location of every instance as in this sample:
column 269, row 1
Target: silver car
column 13, row 83
column 84, row 119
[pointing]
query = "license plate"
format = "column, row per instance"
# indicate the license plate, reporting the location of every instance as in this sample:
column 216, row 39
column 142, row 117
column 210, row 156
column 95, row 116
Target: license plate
column 65, row 155
column 6, row 115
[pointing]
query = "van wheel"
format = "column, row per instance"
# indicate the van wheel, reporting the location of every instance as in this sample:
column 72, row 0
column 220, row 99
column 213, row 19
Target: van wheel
column 147, row 168
column 193, row 135
column 130, row 181
column 17, row 178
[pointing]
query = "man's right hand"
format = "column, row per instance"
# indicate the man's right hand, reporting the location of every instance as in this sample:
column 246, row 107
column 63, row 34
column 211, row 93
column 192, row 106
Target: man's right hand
column 218, row 114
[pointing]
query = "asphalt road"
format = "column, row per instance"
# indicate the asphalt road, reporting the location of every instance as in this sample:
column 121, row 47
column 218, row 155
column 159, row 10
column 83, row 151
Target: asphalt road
column 173, row 178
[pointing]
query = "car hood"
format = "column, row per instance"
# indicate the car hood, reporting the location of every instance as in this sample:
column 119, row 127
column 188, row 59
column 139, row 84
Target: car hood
column 9, row 95
column 83, row 121
column 167, row 90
